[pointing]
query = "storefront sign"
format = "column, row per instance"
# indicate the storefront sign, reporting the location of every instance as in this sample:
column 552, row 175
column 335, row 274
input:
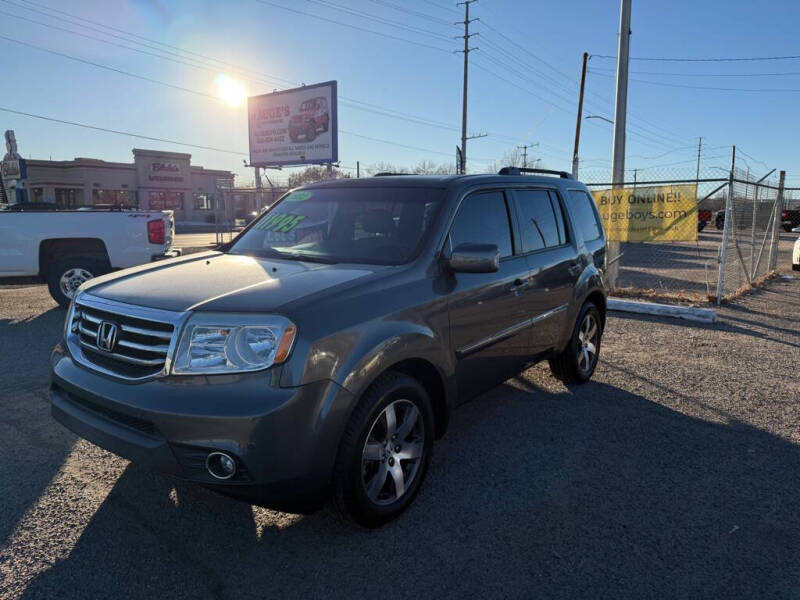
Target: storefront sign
column 666, row 213
column 294, row 127
column 11, row 169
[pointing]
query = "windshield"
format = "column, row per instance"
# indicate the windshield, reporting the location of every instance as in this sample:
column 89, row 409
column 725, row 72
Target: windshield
column 377, row 225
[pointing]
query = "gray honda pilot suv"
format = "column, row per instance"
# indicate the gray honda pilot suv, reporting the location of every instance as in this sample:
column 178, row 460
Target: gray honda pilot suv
column 318, row 355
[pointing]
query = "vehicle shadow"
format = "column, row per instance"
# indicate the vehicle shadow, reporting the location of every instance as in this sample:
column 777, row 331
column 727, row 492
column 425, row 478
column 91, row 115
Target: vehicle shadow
column 592, row 491
column 33, row 450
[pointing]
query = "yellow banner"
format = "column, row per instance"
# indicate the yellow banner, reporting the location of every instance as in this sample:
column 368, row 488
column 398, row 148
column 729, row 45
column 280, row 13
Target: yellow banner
column 664, row 213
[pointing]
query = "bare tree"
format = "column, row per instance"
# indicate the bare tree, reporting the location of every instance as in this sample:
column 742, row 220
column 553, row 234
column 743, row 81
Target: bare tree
column 314, row 174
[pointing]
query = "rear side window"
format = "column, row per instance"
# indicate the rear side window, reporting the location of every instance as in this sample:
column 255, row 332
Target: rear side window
column 540, row 220
column 581, row 206
column 483, row 219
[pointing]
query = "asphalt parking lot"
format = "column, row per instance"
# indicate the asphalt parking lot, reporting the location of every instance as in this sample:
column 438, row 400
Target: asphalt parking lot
column 674, row 473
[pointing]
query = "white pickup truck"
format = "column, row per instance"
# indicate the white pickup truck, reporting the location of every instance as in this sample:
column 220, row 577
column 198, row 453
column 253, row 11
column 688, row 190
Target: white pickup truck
column 67, row 247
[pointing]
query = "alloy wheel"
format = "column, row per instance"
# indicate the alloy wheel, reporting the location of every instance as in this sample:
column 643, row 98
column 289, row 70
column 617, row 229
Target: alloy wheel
column 72, row 279
column 392, row 453
column 588, row 341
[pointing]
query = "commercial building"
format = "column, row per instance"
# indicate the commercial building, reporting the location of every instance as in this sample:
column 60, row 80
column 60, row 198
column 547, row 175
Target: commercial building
column 154, row 180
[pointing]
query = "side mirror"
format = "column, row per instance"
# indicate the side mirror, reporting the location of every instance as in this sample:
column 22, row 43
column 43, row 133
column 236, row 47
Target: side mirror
column 474, row 258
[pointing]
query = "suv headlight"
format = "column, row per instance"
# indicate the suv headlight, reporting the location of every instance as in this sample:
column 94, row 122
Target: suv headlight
column 230, row 343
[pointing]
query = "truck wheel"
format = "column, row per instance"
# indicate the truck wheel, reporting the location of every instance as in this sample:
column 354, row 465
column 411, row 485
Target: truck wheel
column 578, row 360
column 311, row 132
column 385, row 451
column 65, row 276
column 720, row 223
column 787, row 228
column 701, row 225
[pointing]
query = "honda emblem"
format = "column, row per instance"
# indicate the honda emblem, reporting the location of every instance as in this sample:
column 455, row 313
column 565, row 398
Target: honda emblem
column 107, row 336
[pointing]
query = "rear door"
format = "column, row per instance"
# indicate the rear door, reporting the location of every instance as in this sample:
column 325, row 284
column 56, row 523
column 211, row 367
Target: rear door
column 552, row 258
column 489, row 318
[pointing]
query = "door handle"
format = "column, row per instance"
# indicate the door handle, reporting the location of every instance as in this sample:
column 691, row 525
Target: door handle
column 575, row 268
column 519, row 284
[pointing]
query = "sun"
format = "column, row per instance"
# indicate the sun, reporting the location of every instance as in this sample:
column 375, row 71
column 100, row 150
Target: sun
column 231, row 92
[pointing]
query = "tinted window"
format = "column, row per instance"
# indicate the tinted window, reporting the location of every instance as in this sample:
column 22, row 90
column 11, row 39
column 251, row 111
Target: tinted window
column 581, row 206
column 375, row 225
column 483, row 219
column 540, row 222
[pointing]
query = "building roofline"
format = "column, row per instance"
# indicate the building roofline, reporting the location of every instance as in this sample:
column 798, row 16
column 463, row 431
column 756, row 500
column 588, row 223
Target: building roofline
column 161, row 153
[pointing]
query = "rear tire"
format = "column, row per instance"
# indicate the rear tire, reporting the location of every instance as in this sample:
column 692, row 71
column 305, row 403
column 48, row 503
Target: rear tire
column 787, row 228
column 65, row 276
column 577, row 362
column 385, row 451
column 311, row 132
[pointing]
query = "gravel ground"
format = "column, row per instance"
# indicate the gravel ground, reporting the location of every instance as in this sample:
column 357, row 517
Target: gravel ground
column 675, row 473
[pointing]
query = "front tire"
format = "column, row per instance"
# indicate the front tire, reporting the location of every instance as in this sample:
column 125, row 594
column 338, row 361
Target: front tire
column 65, row 276
column 385, row 451
column 577, row 362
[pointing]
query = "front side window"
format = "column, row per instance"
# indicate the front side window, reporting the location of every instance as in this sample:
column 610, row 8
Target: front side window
column 583, row 211
column 483, row 219
column 540, row 220
column 373, row 225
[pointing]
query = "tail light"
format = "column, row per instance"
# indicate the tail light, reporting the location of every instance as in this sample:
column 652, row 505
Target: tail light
column 785, row 216
column 156, row 231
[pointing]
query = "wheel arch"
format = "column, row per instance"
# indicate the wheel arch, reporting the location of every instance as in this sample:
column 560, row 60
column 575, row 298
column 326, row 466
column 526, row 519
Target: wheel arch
column 54, row 249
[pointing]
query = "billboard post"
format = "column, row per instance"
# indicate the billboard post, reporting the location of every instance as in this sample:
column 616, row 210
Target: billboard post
column 294, row 127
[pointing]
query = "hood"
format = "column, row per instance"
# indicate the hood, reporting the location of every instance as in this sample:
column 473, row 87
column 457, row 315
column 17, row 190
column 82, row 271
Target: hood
column 224, row 282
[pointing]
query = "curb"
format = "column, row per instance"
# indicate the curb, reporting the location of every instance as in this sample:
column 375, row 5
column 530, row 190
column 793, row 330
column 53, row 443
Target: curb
column 700, row 315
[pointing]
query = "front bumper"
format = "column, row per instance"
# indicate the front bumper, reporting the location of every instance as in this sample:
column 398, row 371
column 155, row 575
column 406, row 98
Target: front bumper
column 284, row 440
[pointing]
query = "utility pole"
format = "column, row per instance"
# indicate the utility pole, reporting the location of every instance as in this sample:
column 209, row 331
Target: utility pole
column 620, row 113
column 466, row 52
column 358, row 169
column 580, row 113
column 699, row 150
column 525, row 153
column 259, row 190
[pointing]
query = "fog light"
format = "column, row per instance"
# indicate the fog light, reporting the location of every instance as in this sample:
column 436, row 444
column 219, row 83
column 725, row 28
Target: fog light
column 221, row 465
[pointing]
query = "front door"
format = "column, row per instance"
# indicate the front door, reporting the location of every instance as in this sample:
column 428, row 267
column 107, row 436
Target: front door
column 489, row 319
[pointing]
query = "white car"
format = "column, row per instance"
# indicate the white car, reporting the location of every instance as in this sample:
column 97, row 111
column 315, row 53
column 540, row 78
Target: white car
column 796, row 252
column 67, row 247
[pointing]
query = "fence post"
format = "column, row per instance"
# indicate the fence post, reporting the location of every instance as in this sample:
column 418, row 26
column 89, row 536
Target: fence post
column 726, row 230
column 776, row 223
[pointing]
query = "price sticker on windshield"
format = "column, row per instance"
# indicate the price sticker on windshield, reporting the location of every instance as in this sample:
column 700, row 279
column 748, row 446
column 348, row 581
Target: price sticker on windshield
column 280, row 222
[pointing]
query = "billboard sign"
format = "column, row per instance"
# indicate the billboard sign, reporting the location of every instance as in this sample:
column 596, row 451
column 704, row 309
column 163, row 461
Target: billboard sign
column 662, row 213
column 294, row 127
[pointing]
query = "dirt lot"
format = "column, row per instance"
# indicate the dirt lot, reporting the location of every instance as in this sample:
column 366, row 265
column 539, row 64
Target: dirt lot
column 675, row 473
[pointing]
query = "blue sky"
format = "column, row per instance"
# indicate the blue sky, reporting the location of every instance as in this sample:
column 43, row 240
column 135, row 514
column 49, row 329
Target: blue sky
column 523, row 80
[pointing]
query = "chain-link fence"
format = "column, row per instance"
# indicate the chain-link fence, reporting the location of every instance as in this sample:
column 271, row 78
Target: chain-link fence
column 690, row 250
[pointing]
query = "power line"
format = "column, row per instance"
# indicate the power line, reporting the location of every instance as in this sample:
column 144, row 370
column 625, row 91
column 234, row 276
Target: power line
column 684, row 74
column 382, row 20
column 704, row 87
column 119, row 132
column 412, row 12
column 742, row 59
column 356, row 27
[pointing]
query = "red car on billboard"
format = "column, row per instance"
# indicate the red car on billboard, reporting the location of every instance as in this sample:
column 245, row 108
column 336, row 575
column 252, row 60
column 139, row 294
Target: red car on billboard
column 312, row 116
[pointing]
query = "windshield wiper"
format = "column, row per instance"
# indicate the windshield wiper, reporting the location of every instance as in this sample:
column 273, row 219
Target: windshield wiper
column 272, row 253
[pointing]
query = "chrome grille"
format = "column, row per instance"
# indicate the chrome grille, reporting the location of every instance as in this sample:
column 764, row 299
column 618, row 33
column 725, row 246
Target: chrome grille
column 142, row 338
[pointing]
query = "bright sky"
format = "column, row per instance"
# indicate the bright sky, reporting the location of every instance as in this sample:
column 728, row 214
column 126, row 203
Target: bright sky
column 400, row 102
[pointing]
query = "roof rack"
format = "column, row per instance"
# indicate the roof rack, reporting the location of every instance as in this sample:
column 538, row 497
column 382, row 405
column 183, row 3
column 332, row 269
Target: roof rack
column 521, row 170
column 388, row 174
